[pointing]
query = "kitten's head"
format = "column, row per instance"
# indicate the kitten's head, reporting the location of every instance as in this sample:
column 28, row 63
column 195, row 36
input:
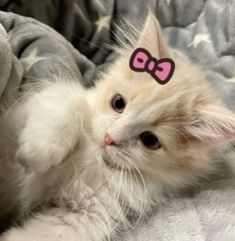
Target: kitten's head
column 169, row 131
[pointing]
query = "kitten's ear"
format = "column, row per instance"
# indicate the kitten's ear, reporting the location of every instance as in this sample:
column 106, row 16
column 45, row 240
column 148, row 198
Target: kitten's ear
column 214, row 126
column 151, row 38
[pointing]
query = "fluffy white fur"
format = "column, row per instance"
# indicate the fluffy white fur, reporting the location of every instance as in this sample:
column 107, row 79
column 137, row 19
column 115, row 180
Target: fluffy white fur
column 53, row 175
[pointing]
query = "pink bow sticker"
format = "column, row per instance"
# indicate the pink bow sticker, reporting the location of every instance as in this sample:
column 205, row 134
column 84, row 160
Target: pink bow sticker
column 160, row 69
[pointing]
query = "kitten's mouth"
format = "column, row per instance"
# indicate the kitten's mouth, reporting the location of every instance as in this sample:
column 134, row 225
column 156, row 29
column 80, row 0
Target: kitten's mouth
column 110, row 163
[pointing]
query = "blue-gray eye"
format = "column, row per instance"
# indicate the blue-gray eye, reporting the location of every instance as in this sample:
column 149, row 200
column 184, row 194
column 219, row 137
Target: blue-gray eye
column 149, row 140
column 118, row 103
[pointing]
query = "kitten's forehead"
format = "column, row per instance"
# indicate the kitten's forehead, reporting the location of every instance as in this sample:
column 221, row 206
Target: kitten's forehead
column 147, row 99
column 152, row 102
column 147, row 102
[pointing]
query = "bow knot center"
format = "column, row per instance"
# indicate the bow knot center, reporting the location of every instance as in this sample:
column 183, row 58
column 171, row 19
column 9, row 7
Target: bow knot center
column 151, row 65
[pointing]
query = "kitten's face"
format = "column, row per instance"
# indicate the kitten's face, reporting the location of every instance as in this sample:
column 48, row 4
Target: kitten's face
column 147, row 121
column 167, row 130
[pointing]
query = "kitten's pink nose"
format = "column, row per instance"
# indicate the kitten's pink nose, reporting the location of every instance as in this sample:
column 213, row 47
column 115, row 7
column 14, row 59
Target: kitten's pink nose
column 108, row 141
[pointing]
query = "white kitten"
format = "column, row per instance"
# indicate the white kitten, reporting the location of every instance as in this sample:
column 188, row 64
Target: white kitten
column 87, row 160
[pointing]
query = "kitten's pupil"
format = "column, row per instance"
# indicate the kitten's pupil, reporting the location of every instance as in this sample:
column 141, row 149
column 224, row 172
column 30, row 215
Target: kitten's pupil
column 118, row 103
column 149, row 140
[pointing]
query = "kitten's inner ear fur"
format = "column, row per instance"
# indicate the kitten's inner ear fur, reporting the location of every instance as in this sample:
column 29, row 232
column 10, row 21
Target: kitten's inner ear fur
column 151, row 38
column 214, row 126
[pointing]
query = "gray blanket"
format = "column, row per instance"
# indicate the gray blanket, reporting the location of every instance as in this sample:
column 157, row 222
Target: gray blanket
column 203, row 30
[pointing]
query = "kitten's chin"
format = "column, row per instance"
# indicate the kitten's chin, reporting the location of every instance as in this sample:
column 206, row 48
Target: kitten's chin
column 112, row 163
column 109, row 163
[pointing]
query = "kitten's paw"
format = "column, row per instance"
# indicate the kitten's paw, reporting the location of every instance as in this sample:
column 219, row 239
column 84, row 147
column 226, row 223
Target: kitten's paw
column 52, row 128
column 37, row 158
column 13, row 235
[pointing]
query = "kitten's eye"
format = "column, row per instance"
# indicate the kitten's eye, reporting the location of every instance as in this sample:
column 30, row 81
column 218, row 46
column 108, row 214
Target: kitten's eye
column 149, row 140
column 118, row 103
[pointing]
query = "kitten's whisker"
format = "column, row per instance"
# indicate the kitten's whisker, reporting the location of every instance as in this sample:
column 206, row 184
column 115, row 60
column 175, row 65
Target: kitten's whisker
column 142, row 194
column 128, row 171
column 145, row 190
column 141, row 198
column 117, row 193
column 119, row 184
column 132, row 189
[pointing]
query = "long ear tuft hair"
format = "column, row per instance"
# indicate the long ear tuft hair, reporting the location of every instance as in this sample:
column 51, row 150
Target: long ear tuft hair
column 215, row 126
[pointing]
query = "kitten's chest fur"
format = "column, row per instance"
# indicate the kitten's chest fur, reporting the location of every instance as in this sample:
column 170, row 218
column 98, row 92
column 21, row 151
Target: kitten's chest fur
column 84, row 185
column 78, row 184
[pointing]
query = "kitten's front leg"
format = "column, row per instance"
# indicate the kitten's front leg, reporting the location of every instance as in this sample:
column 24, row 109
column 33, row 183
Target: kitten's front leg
column 60, row 225
column 53, row 125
